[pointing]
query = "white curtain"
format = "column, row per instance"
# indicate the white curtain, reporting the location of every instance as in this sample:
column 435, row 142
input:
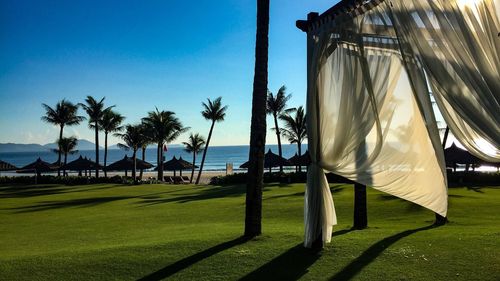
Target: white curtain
column 370, row 117
column 367, row 120
column 458, row 44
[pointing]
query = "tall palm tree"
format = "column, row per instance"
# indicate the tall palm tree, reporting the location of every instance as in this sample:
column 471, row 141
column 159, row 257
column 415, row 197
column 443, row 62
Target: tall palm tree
column 295, row 127
column 64, row 114
column 275, row 106
column 133, row 140
column 253, row 202
column 164, row 128
column 215, row 112
column 111, row 122
column 195, row 146
column 95, row 110
column 148, row 139
column 66, row 146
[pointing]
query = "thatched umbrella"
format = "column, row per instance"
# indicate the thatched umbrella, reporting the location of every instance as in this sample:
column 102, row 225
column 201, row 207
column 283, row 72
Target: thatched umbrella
column 455, row 155
column 127, row 163
column 271, row 160
column 4, row 166
column 175, row 164
column 302, row 160
column 81, row 164
column 38, row 167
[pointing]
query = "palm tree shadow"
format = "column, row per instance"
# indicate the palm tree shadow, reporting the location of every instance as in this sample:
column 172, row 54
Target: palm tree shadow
column 280, row 268
column 184, row 263
column 372, row 253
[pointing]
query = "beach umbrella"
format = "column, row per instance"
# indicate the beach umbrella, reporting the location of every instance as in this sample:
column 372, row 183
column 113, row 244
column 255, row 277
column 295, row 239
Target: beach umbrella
column 455, row 155
column 271, row 160
column 4, row 166
column 127, row 163
column 81, row 164
column 175, row 164
column 38, row 167
column 302, row 160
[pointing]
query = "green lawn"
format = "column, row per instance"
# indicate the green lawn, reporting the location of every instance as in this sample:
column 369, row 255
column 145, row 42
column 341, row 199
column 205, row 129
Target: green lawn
column 115, row 232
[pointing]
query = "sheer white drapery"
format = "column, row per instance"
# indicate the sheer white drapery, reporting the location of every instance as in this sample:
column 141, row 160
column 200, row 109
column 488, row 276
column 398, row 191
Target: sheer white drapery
column 370, row 117
column 457, row 42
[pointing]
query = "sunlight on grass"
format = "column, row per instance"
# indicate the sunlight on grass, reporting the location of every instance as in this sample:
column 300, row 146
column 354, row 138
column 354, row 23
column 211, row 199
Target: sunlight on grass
column 104, row 232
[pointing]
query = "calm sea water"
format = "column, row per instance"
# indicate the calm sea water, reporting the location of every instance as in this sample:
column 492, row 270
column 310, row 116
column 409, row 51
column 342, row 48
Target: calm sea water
column 217, row 156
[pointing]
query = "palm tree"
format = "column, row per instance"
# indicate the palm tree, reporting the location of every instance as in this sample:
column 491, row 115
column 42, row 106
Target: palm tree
column 133, row 139
column 253, row 202
column 64, row 114
column 275, row 107
column 67, row 146
column 95, row 110
column 295, row 127
column 109, row 123
column 164, row 128
column 215, row 112
column 195, row 146
column 147, row 135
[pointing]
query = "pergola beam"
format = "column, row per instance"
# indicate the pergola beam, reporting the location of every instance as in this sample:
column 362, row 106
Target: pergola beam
column 344, row 7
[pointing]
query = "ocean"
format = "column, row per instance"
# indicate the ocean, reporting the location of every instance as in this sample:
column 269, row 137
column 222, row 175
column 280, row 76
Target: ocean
column 217, row 156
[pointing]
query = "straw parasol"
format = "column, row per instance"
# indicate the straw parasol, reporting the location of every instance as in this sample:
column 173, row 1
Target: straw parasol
column 175, row 164
column 271, row 160
column 302, row 160
column 4, row 166
column 38, row 167
column 455, row 155
column 81, row 164
column 127, row 163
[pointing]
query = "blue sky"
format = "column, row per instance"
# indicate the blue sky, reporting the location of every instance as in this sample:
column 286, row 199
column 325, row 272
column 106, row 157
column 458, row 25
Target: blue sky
column 141, row 55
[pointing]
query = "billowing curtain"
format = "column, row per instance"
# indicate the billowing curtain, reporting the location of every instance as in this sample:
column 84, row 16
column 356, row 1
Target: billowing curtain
column 369, row 119
column 458, row 44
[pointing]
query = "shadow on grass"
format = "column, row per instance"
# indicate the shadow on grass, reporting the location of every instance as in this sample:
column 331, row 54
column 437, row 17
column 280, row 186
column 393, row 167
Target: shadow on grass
column 85, row 202
column 291, row 265
column 372, row 253
column 24, row 191
column 205, row 194
column 171, row 269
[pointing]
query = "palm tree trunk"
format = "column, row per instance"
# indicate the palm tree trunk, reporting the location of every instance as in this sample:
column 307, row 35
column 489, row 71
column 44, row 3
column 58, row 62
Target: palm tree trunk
column 59, row 153
column 299, row 149
column 134, row 157
column 255, row 180
column 105, row 153
column 65, row 161
column 160, row 168
column 192, row 169
column 158, row 161
column 205, row 153
column 96, row 150
column 143, row 159
column 279, row 139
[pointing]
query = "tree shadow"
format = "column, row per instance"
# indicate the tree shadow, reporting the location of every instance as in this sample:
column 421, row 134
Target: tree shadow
column 205, row 194
column 25, row 191
column 372, row 253
column 85, row 202
column 291, row 265
column 191, row 260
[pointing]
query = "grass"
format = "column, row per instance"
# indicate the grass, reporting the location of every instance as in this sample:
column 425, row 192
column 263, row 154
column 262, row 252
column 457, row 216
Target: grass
column 115, row 232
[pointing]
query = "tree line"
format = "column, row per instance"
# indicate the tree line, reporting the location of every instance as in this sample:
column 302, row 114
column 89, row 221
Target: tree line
column 159, row 127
